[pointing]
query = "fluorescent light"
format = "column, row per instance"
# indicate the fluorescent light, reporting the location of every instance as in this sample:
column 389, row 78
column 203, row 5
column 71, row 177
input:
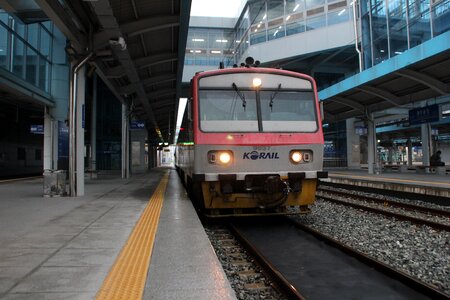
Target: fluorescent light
column 288, row 17
column 275, row 33
column 198, row 40
column 259, row 25
column 181, row 109
column 341, row 12
column 237, row 41
column 296, row 7
column 198, row 51
column 222, row 41
column 216, row 51
column 382, row 51
column 256, row 30
column 192, row 51
column 265, row 16
column 398, row 52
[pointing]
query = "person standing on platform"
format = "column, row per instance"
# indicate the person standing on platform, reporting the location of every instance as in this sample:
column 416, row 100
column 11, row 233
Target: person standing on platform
column 435, row 159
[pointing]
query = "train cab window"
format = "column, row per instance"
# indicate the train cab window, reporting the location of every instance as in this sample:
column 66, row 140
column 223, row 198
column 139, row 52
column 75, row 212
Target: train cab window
column 225, row 111
column 290, row 111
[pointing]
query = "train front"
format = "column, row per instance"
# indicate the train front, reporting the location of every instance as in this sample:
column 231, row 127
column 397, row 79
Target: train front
column 258, row 141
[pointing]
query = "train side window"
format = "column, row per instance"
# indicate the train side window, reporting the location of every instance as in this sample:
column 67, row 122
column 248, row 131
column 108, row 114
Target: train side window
column 189, row 109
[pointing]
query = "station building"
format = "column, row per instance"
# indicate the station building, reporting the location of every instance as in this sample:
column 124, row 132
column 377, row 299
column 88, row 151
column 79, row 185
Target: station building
column 347, row 46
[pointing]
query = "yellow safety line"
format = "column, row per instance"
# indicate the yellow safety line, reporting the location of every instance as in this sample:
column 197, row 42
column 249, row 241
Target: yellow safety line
column 126, row 279
column 19, row 179
column 390, row 179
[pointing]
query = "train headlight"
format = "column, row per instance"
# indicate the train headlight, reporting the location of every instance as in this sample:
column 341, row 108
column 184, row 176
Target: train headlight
column 224, row 157
column 220, row 157
column 296, row 156
column 300, row 156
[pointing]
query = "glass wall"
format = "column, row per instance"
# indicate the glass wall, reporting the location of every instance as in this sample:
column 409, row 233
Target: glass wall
column 389, row 27
column 25, row 50
column 262, row 21
column 209, row 46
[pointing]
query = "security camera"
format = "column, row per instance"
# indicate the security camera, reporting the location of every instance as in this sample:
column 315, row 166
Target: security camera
column 119, row 42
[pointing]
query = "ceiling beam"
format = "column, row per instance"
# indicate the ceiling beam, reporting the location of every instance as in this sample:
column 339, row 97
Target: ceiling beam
column 383, row 94
column 433, row 83
column 151, row 60
column 163, row 78
column 349, row 102
column 153, row 23
column 161, row 93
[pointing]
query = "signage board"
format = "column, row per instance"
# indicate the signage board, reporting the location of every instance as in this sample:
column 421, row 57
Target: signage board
column 37, row 129
column 137, row 124
column 427, row 114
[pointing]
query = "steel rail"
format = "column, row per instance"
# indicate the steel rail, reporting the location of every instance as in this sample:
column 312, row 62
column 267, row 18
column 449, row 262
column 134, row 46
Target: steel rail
column 386, row 269
column 419, row 221
column 282, row 283
column 434, row 211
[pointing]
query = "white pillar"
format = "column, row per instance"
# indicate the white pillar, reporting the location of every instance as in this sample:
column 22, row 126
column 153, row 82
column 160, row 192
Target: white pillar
column 353, row 147
column 409, row 145
column 48, row 141
column 425, row 137
column 81, row 87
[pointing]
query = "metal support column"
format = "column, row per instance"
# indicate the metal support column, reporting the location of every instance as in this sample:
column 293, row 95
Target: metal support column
column 125, row 143
column 93, row 158
column 371, row 144
column 48, row 140
column 75, row 123
column 409, row 145
column 426, row 151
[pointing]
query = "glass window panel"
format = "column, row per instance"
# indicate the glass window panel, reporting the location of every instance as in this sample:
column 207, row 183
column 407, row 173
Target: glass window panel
column 296, row 27
column 47, row 25
column 275, row 9
column 258, row 12
column 19, row 28
column 294, row 6
column 441, row 17
column 33, row 35
column 379, row 32
column 276, row 32
column 32, row 66
column 397, row 27
column 4, row 18
column 45, row 44
column 4, row 48
column 258, row 37
column 366, row 43
column 44, row 74
column 419, row 22
column 338, row 16
column 314, row 3
column 18, row 57
column 315, row 22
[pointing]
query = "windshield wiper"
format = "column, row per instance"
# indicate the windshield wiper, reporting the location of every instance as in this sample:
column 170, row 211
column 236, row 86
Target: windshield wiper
column 244, row 103
column 273, row 96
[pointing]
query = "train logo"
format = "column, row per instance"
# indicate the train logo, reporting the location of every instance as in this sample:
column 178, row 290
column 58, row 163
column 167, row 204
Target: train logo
column 254, row 155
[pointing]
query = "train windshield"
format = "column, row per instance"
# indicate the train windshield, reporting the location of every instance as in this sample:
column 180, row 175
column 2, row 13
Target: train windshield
column 232, row 103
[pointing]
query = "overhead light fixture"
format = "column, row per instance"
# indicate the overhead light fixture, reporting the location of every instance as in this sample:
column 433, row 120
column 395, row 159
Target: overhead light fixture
column 296, row 7
column 288, row 17
column 198, row 40
column 341, row 12
column 216, row 51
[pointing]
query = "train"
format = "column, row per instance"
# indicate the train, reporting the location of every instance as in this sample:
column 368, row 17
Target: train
column 252, row 142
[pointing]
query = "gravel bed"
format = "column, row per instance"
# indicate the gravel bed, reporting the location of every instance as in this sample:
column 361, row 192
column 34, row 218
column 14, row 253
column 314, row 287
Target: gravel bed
column 246, row 287
column 399, row 210
column 419, row 251
column 386, row 197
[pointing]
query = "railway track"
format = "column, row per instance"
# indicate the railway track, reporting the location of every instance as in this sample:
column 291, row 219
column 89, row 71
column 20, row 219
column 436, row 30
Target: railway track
column 402, row 211
column 309, row 265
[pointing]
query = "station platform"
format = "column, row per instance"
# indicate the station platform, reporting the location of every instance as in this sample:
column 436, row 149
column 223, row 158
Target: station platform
column 410, row 182
column 125, row 239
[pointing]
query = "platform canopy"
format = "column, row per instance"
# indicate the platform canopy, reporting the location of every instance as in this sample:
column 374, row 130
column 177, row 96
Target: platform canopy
column 418, row 74
column 138, row 49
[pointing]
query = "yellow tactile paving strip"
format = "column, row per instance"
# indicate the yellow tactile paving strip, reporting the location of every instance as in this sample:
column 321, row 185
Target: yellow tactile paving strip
column 126, row 279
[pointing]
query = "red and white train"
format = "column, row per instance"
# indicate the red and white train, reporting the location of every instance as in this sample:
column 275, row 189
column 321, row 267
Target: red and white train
column 253, row 143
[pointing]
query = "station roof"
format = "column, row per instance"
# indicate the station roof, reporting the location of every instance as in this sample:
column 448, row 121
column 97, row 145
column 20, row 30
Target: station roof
column 420, row 73
column 138, row 49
